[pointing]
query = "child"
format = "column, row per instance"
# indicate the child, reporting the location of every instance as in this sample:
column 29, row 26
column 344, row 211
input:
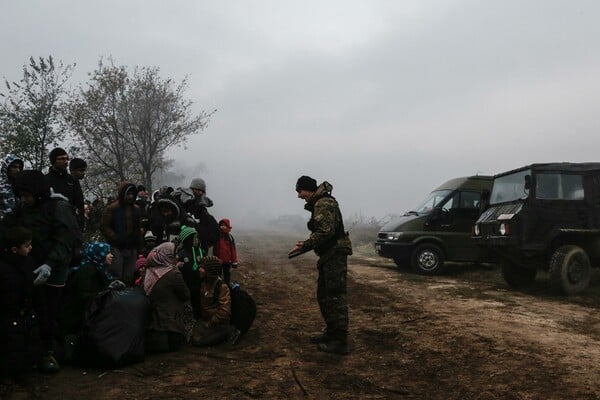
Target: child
column 189, row 254
column 140, row 270
column 225, row 250
column 215, row 326
column 149, row 242
column 20, row 346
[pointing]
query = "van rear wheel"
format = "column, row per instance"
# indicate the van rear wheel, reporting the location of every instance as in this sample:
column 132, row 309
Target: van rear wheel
column 517, row 276
column 570, row 270
column 427, row 259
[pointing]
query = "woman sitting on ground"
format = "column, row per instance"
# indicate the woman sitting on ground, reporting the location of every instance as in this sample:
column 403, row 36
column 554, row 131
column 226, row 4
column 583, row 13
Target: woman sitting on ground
column 169, row 298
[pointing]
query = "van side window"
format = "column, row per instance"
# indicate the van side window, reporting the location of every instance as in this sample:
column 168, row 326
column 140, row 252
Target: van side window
column 470, row 200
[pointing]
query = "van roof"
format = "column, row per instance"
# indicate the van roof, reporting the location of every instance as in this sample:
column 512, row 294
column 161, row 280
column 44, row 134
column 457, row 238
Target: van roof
column 557, row 167
column 475, row 182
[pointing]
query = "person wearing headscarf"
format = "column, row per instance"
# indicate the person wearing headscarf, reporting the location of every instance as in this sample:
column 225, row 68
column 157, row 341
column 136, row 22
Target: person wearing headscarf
column 10, row 168
column 87, row 279
column 169, row 298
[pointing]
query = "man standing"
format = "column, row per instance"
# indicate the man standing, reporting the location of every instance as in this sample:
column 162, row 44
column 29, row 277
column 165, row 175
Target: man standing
column 61, row 182
column 206, row 224
column 331, row 243
column 54, row 229
column 77, row 168
column 121, row 226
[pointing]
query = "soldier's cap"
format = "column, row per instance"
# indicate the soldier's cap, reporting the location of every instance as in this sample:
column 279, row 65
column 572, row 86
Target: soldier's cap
column 306, row 183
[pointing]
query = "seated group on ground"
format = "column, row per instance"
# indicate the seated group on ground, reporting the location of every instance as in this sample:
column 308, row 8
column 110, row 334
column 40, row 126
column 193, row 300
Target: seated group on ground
column 157, row 277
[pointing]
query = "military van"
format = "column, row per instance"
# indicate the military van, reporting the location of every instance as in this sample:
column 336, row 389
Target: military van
column 439, row 229
column 544, row 217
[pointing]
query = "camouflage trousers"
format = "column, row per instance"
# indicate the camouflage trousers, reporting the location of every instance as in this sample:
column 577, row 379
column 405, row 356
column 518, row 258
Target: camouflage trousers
column 331, row 294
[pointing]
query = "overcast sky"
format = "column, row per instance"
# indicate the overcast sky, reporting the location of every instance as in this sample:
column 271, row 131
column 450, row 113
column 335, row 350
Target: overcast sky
column 384, row 99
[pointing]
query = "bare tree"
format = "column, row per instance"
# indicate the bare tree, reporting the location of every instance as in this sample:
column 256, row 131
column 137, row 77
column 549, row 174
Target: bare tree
column 30, row 111
column 126, row 121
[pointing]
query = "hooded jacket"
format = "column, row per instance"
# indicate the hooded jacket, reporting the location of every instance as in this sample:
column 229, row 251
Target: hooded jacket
column 8, row 198
column 121, row 222
column 326, row 224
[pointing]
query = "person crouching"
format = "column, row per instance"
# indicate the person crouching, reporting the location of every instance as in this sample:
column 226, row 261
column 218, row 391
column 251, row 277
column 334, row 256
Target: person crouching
column 214, row 328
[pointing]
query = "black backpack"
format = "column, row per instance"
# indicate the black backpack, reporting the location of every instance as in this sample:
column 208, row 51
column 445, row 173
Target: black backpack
column 243, row 307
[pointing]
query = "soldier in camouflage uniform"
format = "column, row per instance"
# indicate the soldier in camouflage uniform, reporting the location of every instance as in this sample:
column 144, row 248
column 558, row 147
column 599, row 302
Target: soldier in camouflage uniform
column 331, row 243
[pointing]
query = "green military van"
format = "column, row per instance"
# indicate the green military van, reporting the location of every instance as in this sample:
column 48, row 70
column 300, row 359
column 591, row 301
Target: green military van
column 439, row 229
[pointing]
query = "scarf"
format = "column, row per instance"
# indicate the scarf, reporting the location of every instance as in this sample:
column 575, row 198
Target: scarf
column 160, row 260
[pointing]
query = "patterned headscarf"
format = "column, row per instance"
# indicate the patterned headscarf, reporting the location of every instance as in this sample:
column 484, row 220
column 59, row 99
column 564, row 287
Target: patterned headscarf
column 160, row 260
column 95, row 253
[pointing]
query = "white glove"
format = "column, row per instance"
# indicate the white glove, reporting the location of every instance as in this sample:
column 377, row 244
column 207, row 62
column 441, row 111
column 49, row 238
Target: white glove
column 43, row 273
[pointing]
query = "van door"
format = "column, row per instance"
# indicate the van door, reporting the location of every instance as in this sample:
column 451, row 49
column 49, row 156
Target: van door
column 461, row 212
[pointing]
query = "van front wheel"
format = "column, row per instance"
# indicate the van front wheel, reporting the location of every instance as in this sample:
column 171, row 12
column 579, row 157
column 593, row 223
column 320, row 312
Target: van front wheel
column 427, row 259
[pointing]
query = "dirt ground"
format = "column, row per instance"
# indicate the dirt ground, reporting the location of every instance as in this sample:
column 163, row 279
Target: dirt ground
column 463, row 335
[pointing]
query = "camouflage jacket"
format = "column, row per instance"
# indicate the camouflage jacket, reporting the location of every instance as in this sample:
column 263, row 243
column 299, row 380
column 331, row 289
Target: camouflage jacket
column 326, row 224
column 8, row 199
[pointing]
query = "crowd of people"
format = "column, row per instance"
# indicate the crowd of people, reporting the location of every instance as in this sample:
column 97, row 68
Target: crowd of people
column 166, row 247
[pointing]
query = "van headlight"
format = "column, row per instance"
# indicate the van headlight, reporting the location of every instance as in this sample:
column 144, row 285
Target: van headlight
column 394, row 235
column 504, row 229
column 476, row 230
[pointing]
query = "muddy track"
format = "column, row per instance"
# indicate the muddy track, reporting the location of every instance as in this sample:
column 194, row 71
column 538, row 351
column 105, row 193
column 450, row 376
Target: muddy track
column 459, row 336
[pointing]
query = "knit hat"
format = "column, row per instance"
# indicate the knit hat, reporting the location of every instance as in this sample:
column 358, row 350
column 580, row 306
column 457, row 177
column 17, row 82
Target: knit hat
column 212, row 265
column 77, row 163
column 186, row 231
column 141, row 262
column 225, row 222
column 306, row 183
column 149, row 236
column 59, row 151
column 198, row 183
column 34, row 182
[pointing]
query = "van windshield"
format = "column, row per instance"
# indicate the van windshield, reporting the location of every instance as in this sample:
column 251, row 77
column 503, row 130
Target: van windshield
column 433, row 200
column 510, row 187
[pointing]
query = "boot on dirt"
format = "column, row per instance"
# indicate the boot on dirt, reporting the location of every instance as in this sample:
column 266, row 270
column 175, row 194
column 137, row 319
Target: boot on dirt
column 334, row 346
column 320, row 338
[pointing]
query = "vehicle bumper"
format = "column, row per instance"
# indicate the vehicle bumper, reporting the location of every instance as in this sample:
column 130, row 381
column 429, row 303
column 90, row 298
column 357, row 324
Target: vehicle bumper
column 394, row 249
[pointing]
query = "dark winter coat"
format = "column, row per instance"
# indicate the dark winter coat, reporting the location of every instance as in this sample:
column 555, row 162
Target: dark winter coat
column 62, row 182
column 85, row 284
column 170, row 303
column 55, row 233
column 206, row 225
column 121, row 223
column 19, row 333
column 164, row 229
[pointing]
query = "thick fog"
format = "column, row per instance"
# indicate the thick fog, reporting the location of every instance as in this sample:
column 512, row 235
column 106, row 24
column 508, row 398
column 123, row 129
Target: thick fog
column 384, row 99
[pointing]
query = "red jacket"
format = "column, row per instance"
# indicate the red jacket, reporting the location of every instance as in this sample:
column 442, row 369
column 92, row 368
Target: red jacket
column 225, row 249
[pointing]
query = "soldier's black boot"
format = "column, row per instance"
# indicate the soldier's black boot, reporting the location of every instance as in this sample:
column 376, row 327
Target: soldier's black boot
column 334, row 346
column 320, row 338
